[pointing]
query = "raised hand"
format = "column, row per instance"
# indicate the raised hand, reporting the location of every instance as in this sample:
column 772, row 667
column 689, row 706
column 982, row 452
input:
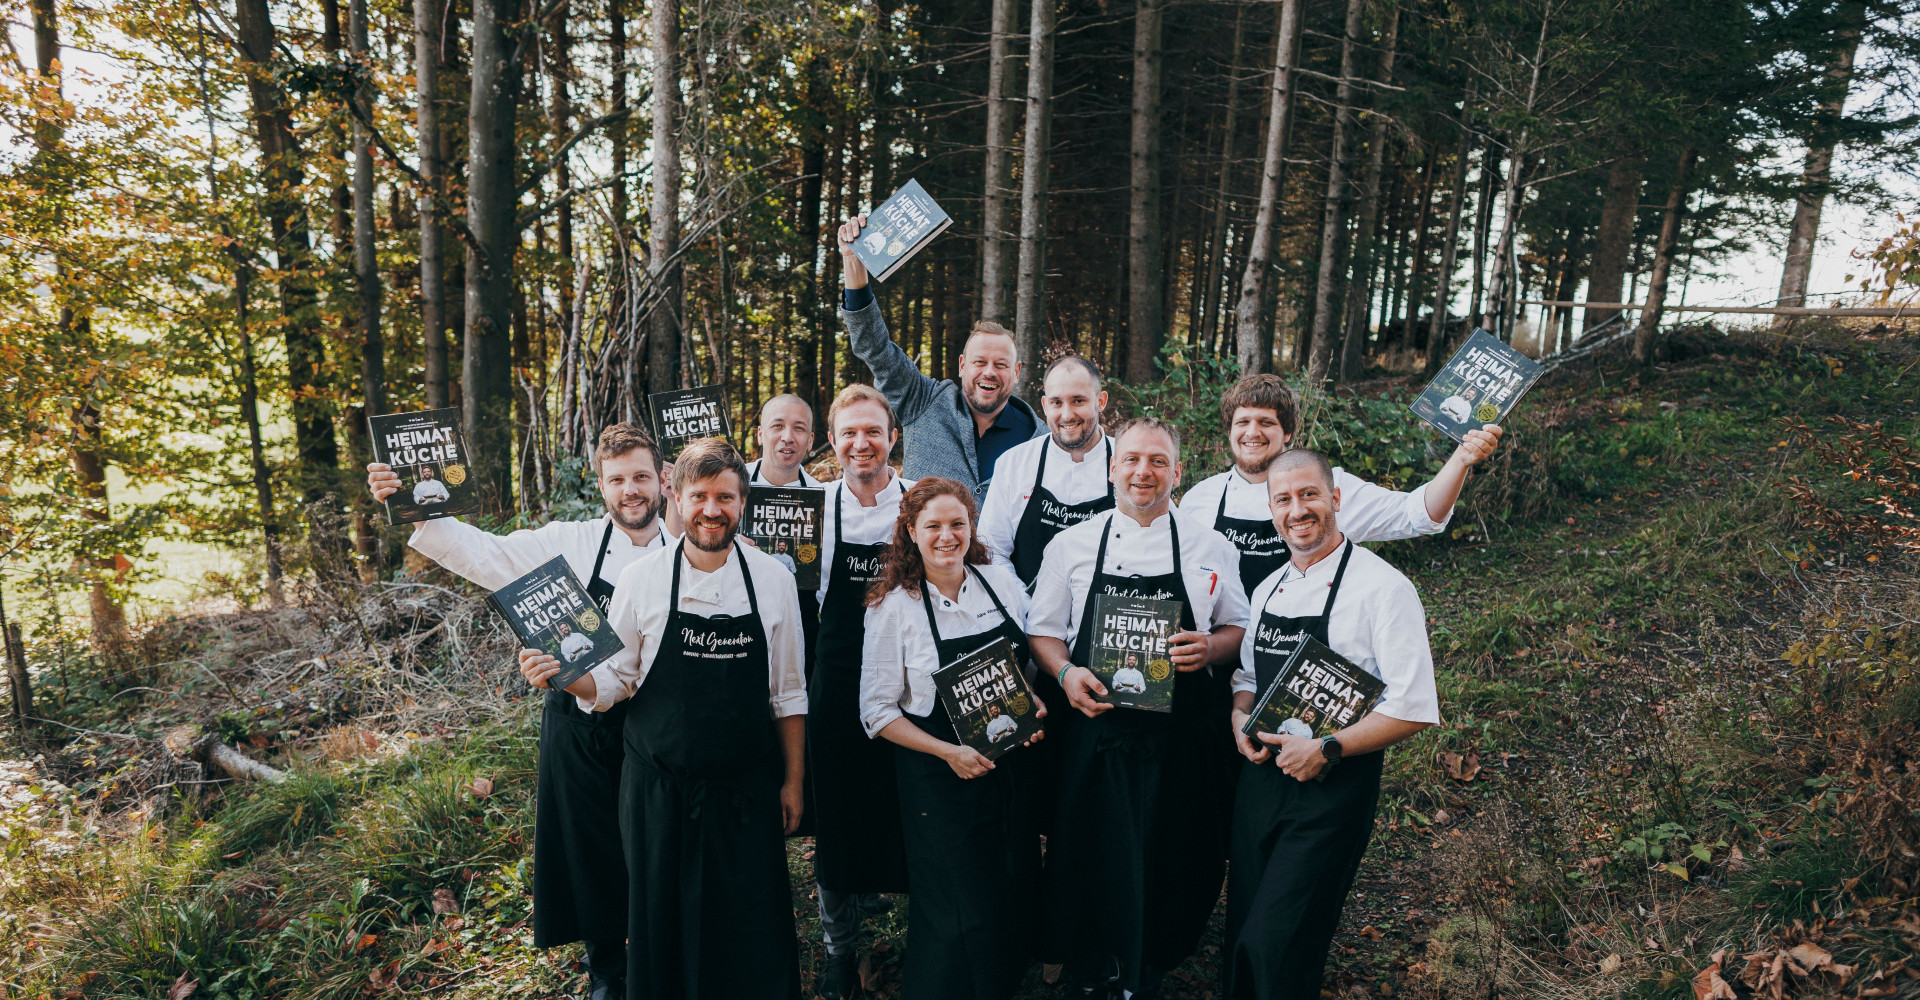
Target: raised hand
column 382, row 481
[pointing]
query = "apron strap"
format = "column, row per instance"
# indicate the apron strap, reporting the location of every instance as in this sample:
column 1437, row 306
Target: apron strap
column 1225, row 485
column 1339, row 574
column 746, row 574
column 926, row 601
column 600, row 560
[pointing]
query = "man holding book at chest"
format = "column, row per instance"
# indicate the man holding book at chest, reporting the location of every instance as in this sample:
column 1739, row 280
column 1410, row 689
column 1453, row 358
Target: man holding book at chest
column 1133, row 861
column 579, row 888
column 1304, row 809
column 714, row 770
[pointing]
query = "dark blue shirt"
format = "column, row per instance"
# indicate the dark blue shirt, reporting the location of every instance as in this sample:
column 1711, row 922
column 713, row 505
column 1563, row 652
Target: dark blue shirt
column 1013, row 426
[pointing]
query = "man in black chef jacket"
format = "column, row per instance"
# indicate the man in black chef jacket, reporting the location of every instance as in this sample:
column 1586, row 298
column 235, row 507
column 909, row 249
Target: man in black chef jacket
column 713, row 774
column 1134, row 864
column 1304, row 807
column 579, row 891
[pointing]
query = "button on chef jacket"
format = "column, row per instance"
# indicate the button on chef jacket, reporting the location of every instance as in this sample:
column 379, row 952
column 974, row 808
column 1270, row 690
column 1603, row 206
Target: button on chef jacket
column 754, row 478
column 1369, row 512
column 1069, row 481
column 493, row 561
column 1377, row 622
column 860, row 525
column 639, row 618
column 896, row 672
column 1210, row 567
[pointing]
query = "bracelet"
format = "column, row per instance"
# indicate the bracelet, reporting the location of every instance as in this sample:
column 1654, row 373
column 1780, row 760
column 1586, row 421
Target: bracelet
column 1061, row 677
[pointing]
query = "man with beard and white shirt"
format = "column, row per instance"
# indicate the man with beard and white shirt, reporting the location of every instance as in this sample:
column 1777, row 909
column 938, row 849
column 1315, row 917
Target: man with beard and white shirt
column 1261, row 417
column 575, row 899
column 1051, row 483
column 1133, row 861
column 714, row 767
column 785, row 437
column 1300, row 829
column 859, row 848
column 955, row 429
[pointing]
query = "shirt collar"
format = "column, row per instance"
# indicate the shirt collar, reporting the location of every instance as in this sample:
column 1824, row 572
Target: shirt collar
column 889, row 493
column 1099, row 447
column 1121, row 522
column 1010, row 418
column 940, row 600
column 707, row 588
column 1325, row 567
column 619, row 537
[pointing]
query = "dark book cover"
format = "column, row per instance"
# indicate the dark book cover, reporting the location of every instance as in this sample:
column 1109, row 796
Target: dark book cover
column 785, row 522
column 681, row 415
column 987, row 696
column 426, row 450
column 1129, row 652
column 898, row 229
column 1318, row 689
column 550, row 611
column 1479, row 386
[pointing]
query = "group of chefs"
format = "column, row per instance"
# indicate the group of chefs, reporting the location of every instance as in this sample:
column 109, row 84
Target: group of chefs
column 671, row 774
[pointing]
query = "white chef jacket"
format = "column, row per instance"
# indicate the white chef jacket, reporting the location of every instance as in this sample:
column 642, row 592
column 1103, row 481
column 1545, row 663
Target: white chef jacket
column 574, row 646
column 493, row 561
column 753, row 473
column 1369, row 512
column 1070, row 482
column 639, row 617
column 860, row 525
column 1377, row 622
column 899, row 659
column 430, row 490
column 1209, row 566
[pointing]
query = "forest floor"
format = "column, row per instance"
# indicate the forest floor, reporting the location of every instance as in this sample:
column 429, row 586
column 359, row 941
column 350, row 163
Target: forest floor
column 1681, row 754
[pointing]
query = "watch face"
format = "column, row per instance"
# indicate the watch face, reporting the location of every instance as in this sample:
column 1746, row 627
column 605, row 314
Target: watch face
column 1330, row 748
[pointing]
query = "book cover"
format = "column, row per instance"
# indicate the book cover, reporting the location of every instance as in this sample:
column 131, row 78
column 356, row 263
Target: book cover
column 1129, row 652
column 898, row 229
column 680, row 415
column 987, row 696
column 549, row 610
column 1479, row 386
column 1317, row 689
column 426, row 450
column 785, row 522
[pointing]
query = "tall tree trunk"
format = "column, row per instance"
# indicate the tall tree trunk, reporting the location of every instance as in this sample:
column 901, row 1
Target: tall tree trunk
column 433, row 263
column 1503, row 280
column 366, row 275
column 1569, row 283
column 1482, row 231
column 1253, row 338
column 617, row 132
column 1366, row 218
column 1145, row 297
column 1670, row 219
column 1816, row 176
column 1615, row 237
column 1030, row 308
column 1450, row 244
column 664, row 333
column 318, row 451
column 560, row 67
column 1339, row 197
column 1216, row 249
column 492, row 207
column 256, row 448
column 1422, row 229
column 997, row 196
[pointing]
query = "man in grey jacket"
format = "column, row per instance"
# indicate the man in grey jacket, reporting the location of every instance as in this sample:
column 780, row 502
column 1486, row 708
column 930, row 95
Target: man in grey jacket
column 952, row 428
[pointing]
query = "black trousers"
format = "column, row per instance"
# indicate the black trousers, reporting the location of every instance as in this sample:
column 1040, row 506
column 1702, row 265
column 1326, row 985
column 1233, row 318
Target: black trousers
column 1296, row 848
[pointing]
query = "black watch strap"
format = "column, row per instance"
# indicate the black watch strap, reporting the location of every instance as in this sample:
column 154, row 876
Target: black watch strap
column 1331, row 749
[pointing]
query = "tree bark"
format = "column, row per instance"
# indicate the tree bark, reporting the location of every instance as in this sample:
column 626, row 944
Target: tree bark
column 1030, row 307
column 314, row 442
column 997, row 194
column 492, row 207
column 1417, row 267
column 1450, row 244
column 560, row 67
column 1816, row 176
column 664, row 332
column 1254, row 339
column 1339, row 198
column 1145, row 298
column 366, row 279
column 1670, row 220
column 433, row 263
column 1367, row 217
column 1615, row 237
column 256, row 446
column 1503, row 279
column 1482, row 231
column 617, row 132
column 1216, row 249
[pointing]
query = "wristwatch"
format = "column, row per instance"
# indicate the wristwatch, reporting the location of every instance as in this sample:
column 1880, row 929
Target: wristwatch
column 1331, row 750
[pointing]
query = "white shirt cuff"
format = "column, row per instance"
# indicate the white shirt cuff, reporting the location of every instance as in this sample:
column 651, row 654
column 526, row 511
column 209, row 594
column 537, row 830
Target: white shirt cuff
column 1417, row 512
column 880, row 719
column 792, row 703
column 604, row 688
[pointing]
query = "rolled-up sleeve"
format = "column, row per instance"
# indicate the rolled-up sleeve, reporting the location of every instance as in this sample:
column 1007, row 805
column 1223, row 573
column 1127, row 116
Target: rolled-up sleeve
column 487, row 559
column 1370, row 512
column 1050, row 613
column 786, row 666
column 883, row 668
column 1403, row 657
column 616, row 677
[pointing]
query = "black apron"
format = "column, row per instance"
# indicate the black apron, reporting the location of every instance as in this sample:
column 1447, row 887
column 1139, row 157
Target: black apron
column 1046, row 517
column 1296, row 844
column 711, row 904
column 1262, row 550
column 972, row 849
column 810, row 633
column 857, row 845
column 1136, row 854
column 579, row 875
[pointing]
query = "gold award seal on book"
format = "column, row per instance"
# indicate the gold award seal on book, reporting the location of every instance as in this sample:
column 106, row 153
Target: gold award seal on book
column 896, row 248
column 807, row 553
column 1159, row 669
column 456, row 474
column 1017, row 703
column 589, row 621
column 1486, row 413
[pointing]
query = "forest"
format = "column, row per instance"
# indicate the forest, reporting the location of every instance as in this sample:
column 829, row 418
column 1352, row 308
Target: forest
column 1676, row 610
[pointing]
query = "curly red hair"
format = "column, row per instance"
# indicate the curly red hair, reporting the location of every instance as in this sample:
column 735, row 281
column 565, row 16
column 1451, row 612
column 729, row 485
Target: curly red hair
column 903, row 566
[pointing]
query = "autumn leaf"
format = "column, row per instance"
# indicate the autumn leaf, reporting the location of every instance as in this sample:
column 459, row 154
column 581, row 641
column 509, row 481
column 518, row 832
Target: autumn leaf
column 366, row 941
column 444, row 902
column 481, row 787
column 1707, row 984
column 1610, row 964
column 183, row 988
column 435, row 947
column 1461, row 768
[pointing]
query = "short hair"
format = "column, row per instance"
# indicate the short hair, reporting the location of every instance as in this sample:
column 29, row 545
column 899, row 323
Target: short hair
column 1294, row 458
column 705, row 458
column 1152, row 424
column 1074, row 359
column 858, row 392
column 620, row 439
column 992, row 329
column 1261, row 392
column 783, row 397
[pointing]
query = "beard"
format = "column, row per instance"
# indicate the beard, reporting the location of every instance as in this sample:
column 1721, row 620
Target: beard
column 1322, row 530
column 978, row 403
column 1123, row 498
column 639, row 522
column 1258, row 466
column 726, row 537
column 1087, row 432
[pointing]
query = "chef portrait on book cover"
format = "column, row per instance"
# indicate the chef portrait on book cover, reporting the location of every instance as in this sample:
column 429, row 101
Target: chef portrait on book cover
column 573, row 645
column 429, row 489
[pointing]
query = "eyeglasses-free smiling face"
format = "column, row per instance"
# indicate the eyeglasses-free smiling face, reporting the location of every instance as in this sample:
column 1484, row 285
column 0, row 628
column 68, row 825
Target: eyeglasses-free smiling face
column 1304, row 503
column 988, row 368
column 711, row 509
column 785, row 433
column 1072, row 401
column 1256, row 439
column 942, row 533
column 862, row 439
column 1145, row 471
column 631, row 488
